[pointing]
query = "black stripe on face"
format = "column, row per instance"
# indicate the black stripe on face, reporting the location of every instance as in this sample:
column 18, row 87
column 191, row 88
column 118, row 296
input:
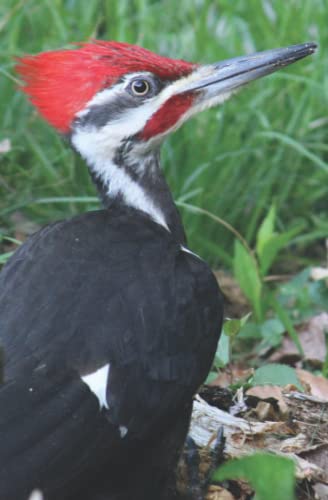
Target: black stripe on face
column 98, row 115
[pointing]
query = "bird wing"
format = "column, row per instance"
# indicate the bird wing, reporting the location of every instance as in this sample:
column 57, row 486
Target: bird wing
column 52, row 436
column 108, row 288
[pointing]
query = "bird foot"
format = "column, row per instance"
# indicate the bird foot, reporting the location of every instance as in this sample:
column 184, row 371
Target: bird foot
column 199, row 465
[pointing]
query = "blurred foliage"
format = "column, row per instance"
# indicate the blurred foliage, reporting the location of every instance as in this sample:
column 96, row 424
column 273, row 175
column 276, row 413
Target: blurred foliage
column 271, row 476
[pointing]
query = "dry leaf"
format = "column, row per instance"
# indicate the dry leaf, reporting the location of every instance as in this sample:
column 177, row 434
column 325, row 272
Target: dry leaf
column 218, row 493
column 318, row 385
column 266, row 392
column 231, row 375
column 319, row 456
column 321, row 491
column 236, row 304
column 312, row 339
column 289, row 438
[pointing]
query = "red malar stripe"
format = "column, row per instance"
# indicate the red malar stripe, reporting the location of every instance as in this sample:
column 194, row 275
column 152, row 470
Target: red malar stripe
column 168, row 115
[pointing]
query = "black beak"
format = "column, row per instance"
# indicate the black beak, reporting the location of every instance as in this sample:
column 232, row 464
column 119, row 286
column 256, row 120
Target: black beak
column 224, row 77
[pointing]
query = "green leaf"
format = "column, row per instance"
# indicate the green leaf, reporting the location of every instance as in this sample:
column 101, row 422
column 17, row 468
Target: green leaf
column 272, row 331
column 4, row 257
column 271, row 476
column 265, row 231
column 276, row 374
column 269, row 243
column 285, row 319
column 247, row 275
column 250, row 331
column 12, row 240
column 222, row 356
column 303, row 297
column 233, row 326
column 211, row 377
column 272, row 246
column 297, row 146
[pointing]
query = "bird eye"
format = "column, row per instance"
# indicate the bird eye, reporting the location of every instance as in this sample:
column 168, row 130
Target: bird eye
column 140, row 87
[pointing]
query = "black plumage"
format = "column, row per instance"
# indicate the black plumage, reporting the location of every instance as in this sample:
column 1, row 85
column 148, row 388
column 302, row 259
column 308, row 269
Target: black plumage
column 109, row 286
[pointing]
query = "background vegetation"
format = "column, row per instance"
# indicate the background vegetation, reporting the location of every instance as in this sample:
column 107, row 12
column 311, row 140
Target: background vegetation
column 260, row 162
column 267, row 144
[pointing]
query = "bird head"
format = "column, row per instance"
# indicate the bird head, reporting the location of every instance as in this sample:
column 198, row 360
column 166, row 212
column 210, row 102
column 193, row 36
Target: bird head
column 117, row 102
column 104, row 94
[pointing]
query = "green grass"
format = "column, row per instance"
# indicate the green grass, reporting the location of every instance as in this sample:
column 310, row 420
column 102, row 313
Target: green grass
column 268, row 143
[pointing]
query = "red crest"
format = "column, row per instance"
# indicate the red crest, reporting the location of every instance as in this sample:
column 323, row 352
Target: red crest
column 60, row 83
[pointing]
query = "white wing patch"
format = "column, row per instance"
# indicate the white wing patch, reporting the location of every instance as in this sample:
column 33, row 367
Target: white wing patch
column 36, row 495
column 97, row 382
column 184, row 249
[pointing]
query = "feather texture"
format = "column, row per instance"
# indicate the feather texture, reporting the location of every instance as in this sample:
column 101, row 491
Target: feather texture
column 110, row 286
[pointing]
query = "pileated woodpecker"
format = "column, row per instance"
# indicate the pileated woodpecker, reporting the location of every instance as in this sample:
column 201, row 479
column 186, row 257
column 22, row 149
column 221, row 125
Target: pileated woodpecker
column 108, row 322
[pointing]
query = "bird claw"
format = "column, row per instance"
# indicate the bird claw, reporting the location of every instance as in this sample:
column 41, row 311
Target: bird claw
column 198, row 482
column 218, row 450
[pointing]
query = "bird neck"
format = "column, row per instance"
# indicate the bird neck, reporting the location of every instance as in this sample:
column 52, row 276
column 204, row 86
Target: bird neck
column 136, row 181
